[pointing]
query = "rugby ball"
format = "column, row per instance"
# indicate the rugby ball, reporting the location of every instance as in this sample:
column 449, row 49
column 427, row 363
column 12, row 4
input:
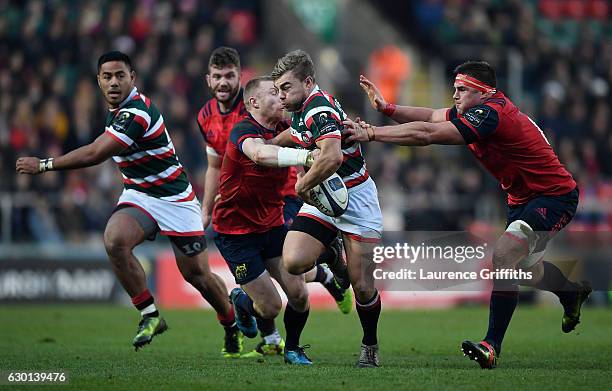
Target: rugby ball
column 330, row 196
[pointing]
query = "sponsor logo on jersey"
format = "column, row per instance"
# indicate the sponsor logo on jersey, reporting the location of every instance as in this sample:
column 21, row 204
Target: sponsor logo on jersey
column 122, row 121
column 476, row 116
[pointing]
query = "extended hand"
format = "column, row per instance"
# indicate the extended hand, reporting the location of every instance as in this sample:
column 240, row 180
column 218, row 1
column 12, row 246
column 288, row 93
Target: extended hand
column 28, row 165
column 206, row 218
column 357, row 131
column 301, row 190
column 374, row 96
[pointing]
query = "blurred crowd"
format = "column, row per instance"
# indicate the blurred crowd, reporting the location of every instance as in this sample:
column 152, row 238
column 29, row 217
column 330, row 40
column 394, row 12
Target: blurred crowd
column 565, row 47
column 50, row 103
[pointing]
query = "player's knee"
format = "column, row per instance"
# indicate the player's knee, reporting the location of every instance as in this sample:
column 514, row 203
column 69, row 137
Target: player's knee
column 117, row 246
column 295, row 264
column 363, row 290
column 270, row 309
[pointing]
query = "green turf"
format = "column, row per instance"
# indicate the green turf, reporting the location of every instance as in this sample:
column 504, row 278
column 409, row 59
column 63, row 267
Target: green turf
column 419, row 350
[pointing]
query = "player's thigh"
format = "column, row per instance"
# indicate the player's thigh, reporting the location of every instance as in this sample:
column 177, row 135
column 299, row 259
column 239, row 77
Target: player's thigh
column 126, row 228
column 306, row 241
column 545, row 215
column 191, row 254
column 359, row 262
column 293, row 285
column 242, row 254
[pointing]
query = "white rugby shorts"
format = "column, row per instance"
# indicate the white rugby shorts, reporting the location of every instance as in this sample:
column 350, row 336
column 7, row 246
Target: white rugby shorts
column 362, row 220
column 173, row 218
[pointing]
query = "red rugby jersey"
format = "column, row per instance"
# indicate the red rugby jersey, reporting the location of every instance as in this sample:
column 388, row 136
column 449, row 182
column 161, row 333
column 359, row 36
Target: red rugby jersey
column 216, row 126
column 251, row 195
column 512, row 148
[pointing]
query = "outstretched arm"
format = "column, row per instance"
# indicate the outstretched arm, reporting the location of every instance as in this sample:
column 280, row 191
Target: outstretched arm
column 275, row 156
column 397, row 113
column 413, row 133
column 88, row 155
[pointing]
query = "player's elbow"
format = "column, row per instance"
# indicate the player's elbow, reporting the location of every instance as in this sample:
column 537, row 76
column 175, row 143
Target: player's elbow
column 96, row 156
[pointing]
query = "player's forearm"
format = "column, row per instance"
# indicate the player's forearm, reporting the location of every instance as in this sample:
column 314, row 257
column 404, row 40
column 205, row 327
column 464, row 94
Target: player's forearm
column 85, row 156
column 404, row 114
column 412, row 133
column 322, row 169
column 211, row 187
column 266, row 155
column 274, row 156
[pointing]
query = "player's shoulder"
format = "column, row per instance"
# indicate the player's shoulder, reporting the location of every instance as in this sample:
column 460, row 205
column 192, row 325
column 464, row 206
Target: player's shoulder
column 319, row 99
column 322, row 105
column 497, row 102
column 482, row 114
column 138, row 104
column 246, row 124
column 207, row 110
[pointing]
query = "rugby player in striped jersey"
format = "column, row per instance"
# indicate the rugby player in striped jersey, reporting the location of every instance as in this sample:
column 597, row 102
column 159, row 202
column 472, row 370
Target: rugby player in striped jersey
column 157, row 195
column 215, row 120
column 317, row 123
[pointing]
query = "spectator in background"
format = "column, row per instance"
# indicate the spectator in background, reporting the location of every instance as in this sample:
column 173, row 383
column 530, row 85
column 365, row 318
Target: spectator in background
column 48, row 100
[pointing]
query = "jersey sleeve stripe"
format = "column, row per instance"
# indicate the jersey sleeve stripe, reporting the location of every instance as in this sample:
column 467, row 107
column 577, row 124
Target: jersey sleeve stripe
column 120, row 137
column 244, row 137
column 145, row 120
column 335, row 134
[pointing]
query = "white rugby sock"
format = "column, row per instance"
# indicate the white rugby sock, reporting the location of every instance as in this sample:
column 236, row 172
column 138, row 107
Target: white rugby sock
column 273, row 338
column 148, row 309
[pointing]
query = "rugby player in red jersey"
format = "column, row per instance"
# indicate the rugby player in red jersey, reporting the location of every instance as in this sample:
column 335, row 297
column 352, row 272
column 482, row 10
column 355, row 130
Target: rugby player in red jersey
column 215, row 120
column 248, row 219
column 542, row 195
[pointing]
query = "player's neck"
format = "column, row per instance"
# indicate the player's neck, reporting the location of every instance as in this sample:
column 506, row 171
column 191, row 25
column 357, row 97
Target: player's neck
column 226, row 107
column 268, row 123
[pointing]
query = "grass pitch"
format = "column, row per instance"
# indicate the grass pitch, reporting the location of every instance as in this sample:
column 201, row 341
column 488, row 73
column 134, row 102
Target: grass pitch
column 419, row 350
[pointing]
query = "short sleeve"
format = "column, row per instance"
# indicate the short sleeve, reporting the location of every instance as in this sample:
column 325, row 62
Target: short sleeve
column 478, row 123
column 129, row 125
column 323, row 122
column 242, row 131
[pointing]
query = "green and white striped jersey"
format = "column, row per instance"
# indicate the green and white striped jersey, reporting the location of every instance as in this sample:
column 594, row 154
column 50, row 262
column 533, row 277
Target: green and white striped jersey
column 321, row 117
column 149, row 163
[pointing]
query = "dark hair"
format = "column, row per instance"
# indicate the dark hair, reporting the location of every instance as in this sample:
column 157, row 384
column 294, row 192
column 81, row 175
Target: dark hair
column 115, row 56
column 224, row 56
column 480, row 70
column 253, row 85
column 298, row 62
